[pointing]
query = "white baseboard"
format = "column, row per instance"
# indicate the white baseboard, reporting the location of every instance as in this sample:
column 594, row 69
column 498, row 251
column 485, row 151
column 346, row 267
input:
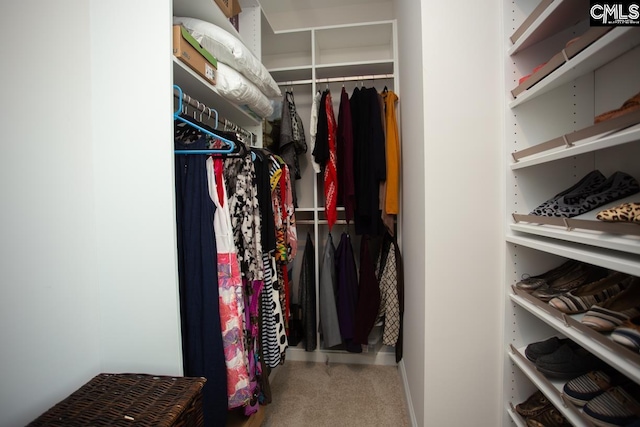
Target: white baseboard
column 337, row 356
column 407, row 394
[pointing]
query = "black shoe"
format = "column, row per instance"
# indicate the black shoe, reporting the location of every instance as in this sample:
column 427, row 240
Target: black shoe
column 548, row 346
column 567, row 362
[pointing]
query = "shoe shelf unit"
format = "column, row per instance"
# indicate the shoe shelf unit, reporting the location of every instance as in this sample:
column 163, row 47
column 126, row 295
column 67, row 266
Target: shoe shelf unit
column 552, row 389
column 550, row 143
column 200, row 89
column 311, row 59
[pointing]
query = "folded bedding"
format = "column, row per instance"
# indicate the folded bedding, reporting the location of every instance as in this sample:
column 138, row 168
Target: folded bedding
column 236, row 88
column 231, row 51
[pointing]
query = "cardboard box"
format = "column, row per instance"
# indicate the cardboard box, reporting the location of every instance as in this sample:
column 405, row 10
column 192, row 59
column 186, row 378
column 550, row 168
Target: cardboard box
column 189, row 51
column 230, row 8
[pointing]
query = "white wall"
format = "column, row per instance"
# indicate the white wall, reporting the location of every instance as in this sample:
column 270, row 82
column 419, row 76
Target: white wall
column 452, row 186
column 88, row 244
column 133, row 169
column 464, row 206
column 49, row 308
column 411, row 108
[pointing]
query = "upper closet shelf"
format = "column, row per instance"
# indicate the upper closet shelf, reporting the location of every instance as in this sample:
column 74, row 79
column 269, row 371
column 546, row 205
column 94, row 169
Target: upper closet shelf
column 192, row 84
column 547, row 19
column 597, row 137
column 606, row 48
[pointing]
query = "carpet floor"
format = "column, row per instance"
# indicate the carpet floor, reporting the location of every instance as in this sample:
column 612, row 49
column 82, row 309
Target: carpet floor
column 317, row 395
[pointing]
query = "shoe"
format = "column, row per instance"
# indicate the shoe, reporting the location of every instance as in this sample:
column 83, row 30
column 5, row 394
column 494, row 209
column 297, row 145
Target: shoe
column 585, row 186
column 548, row 346
column 631, row 104
column 626, row 212
column 615, row 311
column 581, row 275
column 582, row 389
column 567, row 362
column 530, row 283
column 628, row 333
column 618, row 406
column 551, row 417
column 534, row 405
column 616, row 187
column 581, row 299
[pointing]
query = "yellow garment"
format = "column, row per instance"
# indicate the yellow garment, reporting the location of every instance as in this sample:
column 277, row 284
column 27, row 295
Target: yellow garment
column 392, row 153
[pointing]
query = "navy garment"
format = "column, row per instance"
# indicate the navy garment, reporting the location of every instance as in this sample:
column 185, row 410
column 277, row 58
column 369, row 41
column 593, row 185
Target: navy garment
column 202, row 348
column 347, row 299
column 368, row 296
column 307, row 296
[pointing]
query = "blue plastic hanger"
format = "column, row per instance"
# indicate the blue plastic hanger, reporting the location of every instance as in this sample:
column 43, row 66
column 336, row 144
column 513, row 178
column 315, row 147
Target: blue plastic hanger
column 177, row 116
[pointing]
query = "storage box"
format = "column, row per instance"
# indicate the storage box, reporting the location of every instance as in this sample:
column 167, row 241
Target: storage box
column 130, row 400
column 230, row 8
column 189, row 51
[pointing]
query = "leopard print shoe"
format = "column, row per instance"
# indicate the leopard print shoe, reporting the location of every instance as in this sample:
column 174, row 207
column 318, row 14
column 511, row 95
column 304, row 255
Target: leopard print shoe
column 626, row 212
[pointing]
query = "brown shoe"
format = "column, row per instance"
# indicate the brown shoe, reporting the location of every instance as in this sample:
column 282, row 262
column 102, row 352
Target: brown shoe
column 583, row 274
column 534, row 405
column 630, row 105
column 548, row 418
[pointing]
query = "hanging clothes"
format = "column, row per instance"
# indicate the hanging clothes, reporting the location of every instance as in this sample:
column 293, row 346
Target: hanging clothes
column 329, row 327
column 390, row 206
column 347, row 299
column 369, row 160
column 387, row 272
column 321, row 150
column 368, row 296
column 274, row 338
column 231, row 293
column 292, row 139
column 313, row 129
column 331, row 167
column 344, row 150
column 307, row 296
column 202, row 346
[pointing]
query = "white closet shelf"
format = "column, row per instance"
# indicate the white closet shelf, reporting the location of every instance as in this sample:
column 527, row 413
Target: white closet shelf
column 613, row 44
column 624, row 243
column 549, row 18
column 622, row 359
column 613, row 260
column 284, row 74
column 550, row 388
column 568, row 145
column 359, row 68
column 597, row 239
column 515, row 417
column 192, row 84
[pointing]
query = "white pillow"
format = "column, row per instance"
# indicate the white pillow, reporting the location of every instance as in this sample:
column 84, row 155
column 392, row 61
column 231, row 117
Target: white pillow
column 230, row 50
column 238, row 89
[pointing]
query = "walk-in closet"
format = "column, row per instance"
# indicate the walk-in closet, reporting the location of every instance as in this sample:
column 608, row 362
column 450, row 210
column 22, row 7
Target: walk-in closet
column 517, row 124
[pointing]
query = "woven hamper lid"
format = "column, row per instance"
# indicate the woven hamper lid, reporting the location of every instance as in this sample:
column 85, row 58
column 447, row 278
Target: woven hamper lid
column 129, row 400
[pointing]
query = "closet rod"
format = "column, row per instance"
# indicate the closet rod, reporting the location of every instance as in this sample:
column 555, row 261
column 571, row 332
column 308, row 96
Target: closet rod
column 205, row 111
column 337, row 79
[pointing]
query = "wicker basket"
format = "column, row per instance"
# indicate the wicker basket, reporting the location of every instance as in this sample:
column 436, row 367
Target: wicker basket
column 130, row 400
